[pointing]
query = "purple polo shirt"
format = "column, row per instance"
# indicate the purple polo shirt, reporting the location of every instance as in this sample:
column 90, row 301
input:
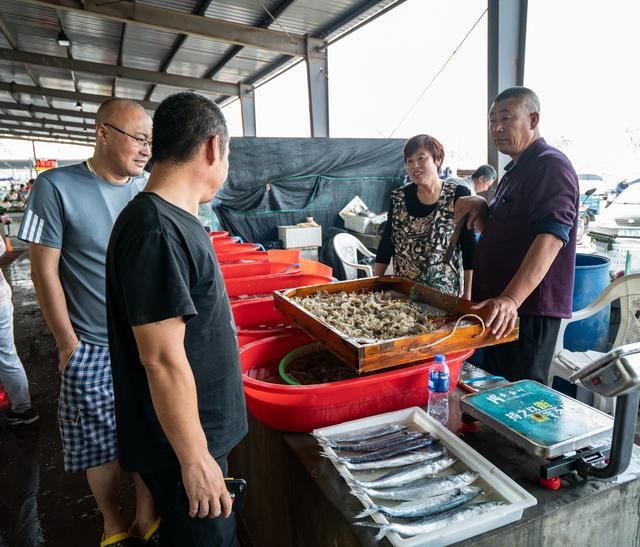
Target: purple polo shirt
column 538, row 194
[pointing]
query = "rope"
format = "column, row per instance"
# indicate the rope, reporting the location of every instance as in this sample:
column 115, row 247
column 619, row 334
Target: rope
column 437, row 74
column 455, row 328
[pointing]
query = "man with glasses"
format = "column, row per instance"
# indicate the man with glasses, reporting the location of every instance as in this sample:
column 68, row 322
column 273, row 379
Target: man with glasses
column 67, row 224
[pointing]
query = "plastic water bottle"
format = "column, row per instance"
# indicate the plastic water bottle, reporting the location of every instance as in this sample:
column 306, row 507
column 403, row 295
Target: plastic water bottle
column 438, row 407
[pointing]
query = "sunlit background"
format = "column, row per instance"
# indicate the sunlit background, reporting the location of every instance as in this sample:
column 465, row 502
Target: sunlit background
column 581, row 59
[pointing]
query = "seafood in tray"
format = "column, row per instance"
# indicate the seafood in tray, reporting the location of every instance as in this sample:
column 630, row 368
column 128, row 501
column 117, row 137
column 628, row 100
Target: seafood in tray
column 370, row 316
column 384, row 322
column 419, row 482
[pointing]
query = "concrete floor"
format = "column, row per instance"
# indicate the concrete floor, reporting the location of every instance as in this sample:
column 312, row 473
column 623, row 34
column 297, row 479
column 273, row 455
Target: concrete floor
column 40, row 504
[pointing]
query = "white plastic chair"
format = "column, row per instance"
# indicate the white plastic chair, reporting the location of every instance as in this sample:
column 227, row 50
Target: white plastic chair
column 565, row 362
column 347, row 248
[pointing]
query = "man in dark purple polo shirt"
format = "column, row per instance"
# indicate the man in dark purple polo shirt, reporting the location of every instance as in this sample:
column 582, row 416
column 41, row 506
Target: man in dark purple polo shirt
column 525, row 260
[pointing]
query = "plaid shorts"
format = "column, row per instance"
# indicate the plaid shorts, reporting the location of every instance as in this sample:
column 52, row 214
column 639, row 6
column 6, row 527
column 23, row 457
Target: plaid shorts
column 86, row 412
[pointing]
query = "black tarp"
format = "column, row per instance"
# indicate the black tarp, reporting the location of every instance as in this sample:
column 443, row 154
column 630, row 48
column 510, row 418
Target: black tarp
column 276, row 181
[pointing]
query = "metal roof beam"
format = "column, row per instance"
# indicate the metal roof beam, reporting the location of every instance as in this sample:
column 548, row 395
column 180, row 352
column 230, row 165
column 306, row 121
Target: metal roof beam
column 45, row 121
column 12, row 42
column 68, row 95
column 201, row 84
column 200, row 9
column 123, row 37
column 63, row 140
column 263, row 23
column 168, row 20
column 44, row 110
column 48, row 131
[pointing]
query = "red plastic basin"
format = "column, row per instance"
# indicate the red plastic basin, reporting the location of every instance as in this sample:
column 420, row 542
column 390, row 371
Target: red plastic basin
column 304, row 408
column 236, row 251
column 260, row 269
column 245, row 286
column 224, row 242
column 215, row 235
column 257, row 318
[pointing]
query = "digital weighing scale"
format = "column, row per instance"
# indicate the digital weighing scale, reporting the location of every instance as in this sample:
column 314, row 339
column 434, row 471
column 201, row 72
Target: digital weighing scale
column 567, row 432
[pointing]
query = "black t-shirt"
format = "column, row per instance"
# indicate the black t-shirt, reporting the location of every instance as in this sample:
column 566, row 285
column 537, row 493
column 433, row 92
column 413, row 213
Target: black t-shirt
column 161, row 264
column 417, row 209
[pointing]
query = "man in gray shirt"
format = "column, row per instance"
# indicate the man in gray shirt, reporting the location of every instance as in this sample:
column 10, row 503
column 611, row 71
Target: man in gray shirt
column 67, row 224
column 480, row 181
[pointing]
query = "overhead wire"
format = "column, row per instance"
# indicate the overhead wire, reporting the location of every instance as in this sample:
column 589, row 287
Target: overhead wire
column 415, row 103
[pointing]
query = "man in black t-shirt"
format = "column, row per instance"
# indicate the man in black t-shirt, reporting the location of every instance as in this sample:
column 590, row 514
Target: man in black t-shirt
column 178, row 388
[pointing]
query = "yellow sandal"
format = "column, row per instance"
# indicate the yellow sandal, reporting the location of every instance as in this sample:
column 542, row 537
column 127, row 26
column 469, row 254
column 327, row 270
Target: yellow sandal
column 152, row 537
column 123, row 539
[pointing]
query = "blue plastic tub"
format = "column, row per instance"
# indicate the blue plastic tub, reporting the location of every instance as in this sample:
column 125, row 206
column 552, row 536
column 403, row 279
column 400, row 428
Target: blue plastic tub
column 591, row 278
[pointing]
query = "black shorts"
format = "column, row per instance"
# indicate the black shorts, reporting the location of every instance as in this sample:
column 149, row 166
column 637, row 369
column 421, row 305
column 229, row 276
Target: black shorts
column 177, row 528
column 530, row 356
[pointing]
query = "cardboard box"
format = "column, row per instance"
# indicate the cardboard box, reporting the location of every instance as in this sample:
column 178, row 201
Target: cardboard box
column 294, row 237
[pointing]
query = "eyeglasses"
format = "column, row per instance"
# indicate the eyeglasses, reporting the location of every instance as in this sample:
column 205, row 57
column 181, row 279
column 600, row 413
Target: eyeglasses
column 141, row 142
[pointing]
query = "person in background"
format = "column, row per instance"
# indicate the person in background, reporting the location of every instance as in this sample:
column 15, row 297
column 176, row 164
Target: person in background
column 525, row 260
column 180, row 406
column 480, row 180
column 67, row 224
column 621, row 186
column 12, row 375
column 420, row 220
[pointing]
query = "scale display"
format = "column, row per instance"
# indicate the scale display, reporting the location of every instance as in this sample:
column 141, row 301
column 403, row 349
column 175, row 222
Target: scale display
column 538, row 418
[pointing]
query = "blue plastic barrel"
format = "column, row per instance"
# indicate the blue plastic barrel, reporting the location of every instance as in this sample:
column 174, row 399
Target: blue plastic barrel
column 591, row 278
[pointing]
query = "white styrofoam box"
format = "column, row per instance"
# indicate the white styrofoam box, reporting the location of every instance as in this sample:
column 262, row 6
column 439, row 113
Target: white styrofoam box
column 363, row 224
column 516, row 499
column 355, row 206
column 300, row 236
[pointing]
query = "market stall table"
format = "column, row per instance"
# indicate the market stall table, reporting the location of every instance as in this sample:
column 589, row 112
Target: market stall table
column 296, row 497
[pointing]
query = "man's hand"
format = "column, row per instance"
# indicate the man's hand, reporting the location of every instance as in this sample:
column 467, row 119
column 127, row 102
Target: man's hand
column 501, row 316
column 64, row 355
column 476, row 208
column 206, row 490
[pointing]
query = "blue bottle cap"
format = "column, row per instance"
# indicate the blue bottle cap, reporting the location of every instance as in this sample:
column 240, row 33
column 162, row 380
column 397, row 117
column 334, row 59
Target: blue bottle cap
column 440, row 358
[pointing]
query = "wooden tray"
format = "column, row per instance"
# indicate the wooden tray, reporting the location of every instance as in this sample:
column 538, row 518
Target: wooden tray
column 367, row 357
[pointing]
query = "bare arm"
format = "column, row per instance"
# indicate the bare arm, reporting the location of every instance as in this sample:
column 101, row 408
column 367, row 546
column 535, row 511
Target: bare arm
column 468, row 279
column 174, row 396
column 503, row 310
column 45, row 274
column 379, row 268
column 477, row 209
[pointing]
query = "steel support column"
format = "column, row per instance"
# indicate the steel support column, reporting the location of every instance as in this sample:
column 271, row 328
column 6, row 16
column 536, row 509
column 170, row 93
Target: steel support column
column 506, row 51
column 247, row 109
column 318, row 83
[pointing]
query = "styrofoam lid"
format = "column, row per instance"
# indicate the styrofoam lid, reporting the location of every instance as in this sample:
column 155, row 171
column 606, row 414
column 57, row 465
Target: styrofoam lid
column 355, row 206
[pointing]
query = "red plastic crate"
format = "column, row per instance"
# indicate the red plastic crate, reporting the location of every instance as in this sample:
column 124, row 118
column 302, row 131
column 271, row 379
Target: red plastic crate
column 304, row 408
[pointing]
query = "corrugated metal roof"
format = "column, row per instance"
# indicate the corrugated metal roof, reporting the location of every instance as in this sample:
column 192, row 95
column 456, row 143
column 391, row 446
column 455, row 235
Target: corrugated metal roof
column 34, row 28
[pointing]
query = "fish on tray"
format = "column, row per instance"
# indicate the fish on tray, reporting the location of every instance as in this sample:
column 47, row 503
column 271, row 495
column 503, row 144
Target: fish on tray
column 425, row 507
column 367, row 434
column 381, row 442
column 408, row 473
column 387, row 452
column 434, row 522
column 420, row 489
column 420, row 455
